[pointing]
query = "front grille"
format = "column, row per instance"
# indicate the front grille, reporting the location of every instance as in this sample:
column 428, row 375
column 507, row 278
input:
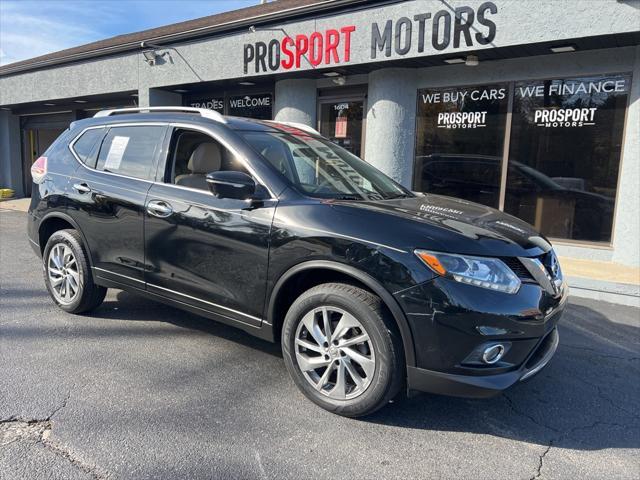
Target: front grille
column 518, row 268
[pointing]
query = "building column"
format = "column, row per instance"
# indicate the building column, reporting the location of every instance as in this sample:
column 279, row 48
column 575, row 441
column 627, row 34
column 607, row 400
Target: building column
column 391, row 122
column 10, row 153
column 626, row 248
column 295, row 101
column 154, row 97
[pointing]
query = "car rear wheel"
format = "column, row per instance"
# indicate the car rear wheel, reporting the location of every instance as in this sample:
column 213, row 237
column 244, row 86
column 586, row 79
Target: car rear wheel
column 342, row 349
column 67, row 274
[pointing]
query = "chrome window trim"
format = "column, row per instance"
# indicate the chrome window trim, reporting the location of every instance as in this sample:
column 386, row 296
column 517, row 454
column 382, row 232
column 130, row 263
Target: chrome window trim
column 235, row 211
column 93, row 127
column 189, row 126
column 200, row 190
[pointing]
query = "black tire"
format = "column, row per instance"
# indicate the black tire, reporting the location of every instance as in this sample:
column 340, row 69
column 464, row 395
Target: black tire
column 370, row 311
column 89, row 295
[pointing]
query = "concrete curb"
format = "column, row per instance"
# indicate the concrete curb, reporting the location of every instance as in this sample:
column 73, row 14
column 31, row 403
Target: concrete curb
column 613, row 292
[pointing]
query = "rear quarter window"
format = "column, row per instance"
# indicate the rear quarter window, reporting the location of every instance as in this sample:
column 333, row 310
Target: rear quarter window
column 86, row 146
column 131, row 151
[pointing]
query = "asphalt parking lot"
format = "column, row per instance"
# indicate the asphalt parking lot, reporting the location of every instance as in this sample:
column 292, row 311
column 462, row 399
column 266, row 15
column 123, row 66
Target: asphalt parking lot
column 140, row 390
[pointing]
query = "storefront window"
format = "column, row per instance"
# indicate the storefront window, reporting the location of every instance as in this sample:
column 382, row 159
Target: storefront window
column 212, row 103
column 460, row 141
column 564, row 150
column 258, row 106
column 566, row 138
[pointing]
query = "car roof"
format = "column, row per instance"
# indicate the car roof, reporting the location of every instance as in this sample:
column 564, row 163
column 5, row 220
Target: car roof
column 234, row 123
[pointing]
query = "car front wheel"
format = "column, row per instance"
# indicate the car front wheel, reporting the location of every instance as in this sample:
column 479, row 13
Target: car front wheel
column 342, row 349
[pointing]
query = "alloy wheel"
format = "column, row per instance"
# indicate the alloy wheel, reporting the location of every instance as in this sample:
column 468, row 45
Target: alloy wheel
column 62, row 270
column 334, row 353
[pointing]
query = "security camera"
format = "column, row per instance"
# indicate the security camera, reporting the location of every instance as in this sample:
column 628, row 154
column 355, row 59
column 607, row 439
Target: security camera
column 252, row 29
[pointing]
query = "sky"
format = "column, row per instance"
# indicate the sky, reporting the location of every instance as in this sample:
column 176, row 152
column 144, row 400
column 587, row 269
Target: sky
column 29, row 28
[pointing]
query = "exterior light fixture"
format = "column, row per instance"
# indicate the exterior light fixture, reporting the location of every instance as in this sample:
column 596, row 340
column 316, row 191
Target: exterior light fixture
column 49, row 104
column 471, row 61
column 180, row 90
column 563, row 49
column 150, row 56
column 331, row 74
column 80, row 101
column 134, row 94
column 453, row 61
column 246, row 83
column 339, row 80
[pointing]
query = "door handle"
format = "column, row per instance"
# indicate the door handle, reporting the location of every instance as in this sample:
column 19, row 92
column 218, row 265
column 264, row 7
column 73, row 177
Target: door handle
column 81, row 187
column 158, row 208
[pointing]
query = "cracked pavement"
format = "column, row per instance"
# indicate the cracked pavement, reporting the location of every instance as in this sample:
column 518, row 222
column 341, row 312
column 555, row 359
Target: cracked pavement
column 141, row 390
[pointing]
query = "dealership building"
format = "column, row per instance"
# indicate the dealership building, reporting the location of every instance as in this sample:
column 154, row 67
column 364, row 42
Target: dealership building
column 531, row 107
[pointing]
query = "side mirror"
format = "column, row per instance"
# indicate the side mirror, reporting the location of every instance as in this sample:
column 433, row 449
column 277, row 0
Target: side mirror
column 229, row 184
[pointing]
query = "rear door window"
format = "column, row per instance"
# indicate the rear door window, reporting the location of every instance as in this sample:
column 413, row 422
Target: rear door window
column 87, row 145
column 131, row 151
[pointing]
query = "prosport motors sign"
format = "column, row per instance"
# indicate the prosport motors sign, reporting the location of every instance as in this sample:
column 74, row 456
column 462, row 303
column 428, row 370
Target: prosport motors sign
column 420, row 33
column 462, row 119
column 330, row 47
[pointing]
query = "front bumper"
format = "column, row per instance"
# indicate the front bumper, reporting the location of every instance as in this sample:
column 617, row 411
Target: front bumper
column 451, row 322
column 483, row 386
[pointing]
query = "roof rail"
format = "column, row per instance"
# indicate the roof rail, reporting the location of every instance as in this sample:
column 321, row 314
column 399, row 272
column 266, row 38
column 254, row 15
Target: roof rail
column 204, row 112
column 299, row 126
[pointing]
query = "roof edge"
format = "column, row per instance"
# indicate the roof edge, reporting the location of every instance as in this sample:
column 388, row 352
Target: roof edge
column 52, row 59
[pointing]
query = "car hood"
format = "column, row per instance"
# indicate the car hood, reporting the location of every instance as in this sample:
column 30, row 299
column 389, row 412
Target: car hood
column 451, row 225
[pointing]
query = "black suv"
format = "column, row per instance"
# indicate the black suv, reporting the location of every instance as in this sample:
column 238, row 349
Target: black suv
column 271, row 228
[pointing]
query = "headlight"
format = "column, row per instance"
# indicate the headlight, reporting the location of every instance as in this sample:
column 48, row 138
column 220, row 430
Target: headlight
column 482, row 272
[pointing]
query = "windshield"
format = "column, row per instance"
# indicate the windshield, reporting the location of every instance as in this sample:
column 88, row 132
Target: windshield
column 319, row 168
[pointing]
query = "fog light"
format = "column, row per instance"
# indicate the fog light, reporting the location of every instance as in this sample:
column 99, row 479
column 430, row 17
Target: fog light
column 493, row 354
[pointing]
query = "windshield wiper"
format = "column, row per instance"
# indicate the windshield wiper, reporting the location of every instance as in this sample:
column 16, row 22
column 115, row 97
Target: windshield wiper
column 400, row 195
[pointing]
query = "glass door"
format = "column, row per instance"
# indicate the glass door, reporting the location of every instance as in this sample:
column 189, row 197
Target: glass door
column 341, row 121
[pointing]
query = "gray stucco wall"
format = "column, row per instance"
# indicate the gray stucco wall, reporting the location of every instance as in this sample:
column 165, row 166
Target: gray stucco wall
column 626, row 233
column 295, row 101
column 103, row 75
column 10, row 158
column 390, row 135
column 153, row 97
